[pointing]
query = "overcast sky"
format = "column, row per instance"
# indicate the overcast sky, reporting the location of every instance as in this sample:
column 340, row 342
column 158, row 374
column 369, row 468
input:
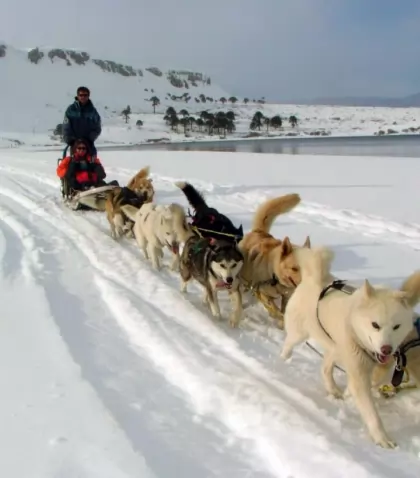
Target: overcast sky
column 281, row 49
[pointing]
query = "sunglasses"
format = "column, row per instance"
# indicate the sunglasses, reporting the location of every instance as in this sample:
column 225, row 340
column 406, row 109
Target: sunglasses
column 82, row 95
column 81, row 148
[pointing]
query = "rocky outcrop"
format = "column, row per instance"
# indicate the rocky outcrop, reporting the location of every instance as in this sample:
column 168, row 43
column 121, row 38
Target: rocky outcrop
column 35, row 55
column 177, row 78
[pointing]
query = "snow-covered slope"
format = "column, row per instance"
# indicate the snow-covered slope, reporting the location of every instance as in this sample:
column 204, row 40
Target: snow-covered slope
column 36, row 85
column 108, row 371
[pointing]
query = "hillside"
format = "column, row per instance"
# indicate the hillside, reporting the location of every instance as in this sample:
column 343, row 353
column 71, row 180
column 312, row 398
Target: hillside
column 36, row 85
column 411, row 101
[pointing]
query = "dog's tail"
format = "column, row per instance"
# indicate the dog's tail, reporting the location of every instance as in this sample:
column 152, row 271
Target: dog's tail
column 194, row 197
column 181, row 227
column 130, row 211
column 412, row 287
column 142, row 174
column 269, row 210
column 315, row 264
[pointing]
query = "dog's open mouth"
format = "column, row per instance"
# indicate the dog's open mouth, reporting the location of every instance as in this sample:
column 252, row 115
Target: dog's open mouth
column 293, row 282
column 174, row 247
column 221, row 284
column 382, row 359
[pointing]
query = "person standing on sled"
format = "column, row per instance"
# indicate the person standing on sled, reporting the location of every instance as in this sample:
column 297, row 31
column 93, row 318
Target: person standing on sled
column 81, row 170
column 82, row 120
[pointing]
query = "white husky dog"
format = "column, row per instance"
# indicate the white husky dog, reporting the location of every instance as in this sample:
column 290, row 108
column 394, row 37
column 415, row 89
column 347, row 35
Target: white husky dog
column 157, row 227
column 356, row 330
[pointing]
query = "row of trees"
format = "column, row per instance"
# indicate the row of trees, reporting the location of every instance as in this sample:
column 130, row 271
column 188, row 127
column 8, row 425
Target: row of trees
column 200, row 99
column 220, row 123
column 276, row 122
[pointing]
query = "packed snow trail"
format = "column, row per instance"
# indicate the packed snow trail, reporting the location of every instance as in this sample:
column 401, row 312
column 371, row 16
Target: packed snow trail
column 187, row 393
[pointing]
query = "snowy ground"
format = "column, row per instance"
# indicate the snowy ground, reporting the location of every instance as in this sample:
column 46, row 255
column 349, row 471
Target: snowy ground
column 329, row 120
column 108, row 371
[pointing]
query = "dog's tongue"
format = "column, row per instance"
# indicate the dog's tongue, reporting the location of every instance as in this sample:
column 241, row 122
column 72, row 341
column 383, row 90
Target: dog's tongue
column 383, row 358
column 175, row 249
column 223, row 284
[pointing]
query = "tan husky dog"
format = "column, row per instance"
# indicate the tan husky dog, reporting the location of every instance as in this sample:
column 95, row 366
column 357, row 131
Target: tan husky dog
column 138, row 191
column 270, row 267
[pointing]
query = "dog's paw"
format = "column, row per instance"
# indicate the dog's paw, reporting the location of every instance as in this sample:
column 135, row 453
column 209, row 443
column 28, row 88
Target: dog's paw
column 386, row 442
column 286, row 354
column 216, row 315
column 336, row 393
column 234, row 320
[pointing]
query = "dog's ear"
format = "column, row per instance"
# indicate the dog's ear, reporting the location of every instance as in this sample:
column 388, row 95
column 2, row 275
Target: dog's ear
column 368, row 290
column 286, row 247
column 402, row 296
column 240, row 230
column 307, row 242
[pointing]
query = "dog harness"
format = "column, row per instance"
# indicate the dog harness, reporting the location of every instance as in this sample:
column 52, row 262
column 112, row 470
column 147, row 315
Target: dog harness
column 339, row 285
column 130, row 197
column 218, row 225
column 342, row 286
column 401, row 357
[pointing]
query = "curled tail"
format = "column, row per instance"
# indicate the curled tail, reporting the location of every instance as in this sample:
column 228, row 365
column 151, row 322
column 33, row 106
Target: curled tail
column 269, row 210
column 412, row 287
column 194, row 198
column 130, row 211
column 142, row 174
column 315, row 264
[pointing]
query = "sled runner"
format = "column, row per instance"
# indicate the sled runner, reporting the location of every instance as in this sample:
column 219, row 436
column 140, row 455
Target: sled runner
column 92, row 199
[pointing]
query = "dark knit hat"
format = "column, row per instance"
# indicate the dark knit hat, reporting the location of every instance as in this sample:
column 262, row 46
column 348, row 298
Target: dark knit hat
column 79, row 142
column 83, row 88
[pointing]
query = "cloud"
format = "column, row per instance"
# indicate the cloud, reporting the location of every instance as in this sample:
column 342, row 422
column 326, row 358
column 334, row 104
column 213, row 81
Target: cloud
column 281, row 49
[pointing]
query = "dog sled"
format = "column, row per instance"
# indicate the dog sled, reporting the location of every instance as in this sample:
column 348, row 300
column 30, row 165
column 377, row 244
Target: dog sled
column 91, row 199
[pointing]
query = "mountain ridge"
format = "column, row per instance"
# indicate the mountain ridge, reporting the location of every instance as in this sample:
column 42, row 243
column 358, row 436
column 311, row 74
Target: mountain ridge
column 37, row 84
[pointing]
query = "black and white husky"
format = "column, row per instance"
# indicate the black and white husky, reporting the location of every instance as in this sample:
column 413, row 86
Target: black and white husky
column 208, row 220
column 215, row 264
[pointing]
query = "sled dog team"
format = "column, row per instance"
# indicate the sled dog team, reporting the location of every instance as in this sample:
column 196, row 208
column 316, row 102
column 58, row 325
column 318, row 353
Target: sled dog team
column 366, row 330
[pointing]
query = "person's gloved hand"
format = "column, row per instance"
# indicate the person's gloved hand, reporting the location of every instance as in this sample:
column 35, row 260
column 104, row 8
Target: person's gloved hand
column 70, row 170
column 100, row 172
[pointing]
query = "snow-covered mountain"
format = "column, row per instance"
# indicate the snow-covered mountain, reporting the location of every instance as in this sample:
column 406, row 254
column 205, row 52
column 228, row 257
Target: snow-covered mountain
column 36, row 85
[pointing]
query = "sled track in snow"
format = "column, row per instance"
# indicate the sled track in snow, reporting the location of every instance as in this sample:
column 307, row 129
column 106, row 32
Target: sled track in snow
column 307, row 212
column 345, row 220
column 230, row 382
